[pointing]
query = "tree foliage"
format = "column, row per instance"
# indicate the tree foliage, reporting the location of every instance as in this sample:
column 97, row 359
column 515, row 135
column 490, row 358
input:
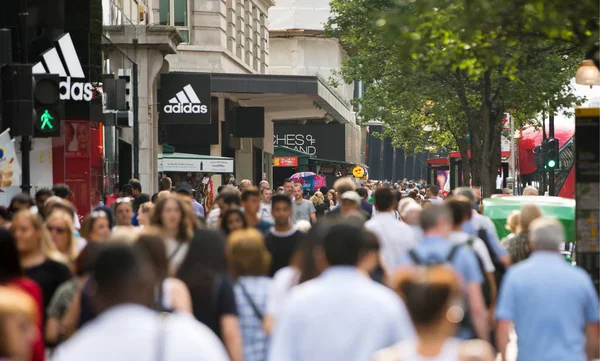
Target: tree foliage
column 436, row 75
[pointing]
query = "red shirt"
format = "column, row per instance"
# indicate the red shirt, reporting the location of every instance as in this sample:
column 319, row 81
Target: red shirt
column 30, row 287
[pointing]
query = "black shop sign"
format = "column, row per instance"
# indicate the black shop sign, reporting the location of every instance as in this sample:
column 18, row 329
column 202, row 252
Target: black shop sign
column 184, row 98
column 319, row 140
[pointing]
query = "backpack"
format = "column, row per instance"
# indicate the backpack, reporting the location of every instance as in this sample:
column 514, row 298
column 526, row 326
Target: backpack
column 466, row 322
column 500, row 268
column 486, row 289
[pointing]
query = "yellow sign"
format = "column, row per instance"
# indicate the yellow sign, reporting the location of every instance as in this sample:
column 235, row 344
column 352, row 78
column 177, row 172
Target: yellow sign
column 358, row 172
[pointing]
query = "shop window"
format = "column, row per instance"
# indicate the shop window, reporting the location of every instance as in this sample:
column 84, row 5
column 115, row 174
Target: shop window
column 175, row 13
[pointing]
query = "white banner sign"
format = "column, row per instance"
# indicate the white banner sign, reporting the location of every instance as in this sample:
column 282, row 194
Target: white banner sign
column 196, row 165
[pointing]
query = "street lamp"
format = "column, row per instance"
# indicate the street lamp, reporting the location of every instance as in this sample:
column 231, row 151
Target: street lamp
column 587, row 74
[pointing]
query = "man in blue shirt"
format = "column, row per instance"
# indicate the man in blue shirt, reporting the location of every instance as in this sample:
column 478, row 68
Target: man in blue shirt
column 478, row 222
column 342, row 314
column 553, row 305
column 436, row 222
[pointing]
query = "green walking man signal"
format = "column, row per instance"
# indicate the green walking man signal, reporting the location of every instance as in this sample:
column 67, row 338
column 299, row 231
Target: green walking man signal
column 46, row 118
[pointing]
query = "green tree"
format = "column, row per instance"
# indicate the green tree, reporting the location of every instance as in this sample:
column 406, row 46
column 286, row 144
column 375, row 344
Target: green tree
column 433, row 81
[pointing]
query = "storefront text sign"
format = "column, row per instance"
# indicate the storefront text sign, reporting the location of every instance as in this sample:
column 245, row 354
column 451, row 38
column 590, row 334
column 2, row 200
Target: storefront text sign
column 195, row 165
column 285, row 162
column 319, row 140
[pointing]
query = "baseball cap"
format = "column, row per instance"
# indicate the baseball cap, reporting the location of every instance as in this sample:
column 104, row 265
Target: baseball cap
column 352, row 196
column 184, row 188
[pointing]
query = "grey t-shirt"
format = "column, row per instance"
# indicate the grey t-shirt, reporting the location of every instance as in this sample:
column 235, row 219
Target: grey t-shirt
column 302, row 211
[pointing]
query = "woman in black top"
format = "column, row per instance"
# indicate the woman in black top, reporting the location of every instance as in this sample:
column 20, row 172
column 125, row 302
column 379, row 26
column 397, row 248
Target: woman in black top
column 319, row 202
column 213, row 301
column 39, row 258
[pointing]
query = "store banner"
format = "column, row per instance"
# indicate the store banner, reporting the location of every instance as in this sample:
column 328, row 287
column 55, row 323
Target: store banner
column 319, row 140
column 285, row 162
column 185, row 98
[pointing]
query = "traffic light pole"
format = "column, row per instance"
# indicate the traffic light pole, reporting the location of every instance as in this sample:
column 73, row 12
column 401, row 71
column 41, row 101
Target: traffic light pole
column 551, row 190
column 25, row 139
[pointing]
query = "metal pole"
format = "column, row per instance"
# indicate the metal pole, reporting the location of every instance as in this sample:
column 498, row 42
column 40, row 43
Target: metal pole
column 136, row 123
column 25, row 139
column 552, row 190
column 393, row 163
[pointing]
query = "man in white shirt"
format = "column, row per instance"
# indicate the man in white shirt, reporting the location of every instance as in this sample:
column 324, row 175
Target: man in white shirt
column 395, row 237
column 341, row 314
column 303, row 209
column 434, row 193
column 127, row 328
column 265, row 204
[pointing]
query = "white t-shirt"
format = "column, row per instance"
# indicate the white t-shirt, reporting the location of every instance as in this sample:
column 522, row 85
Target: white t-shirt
column 436, row 200
column 132, row 332
column 264, row 212
column 460, row 237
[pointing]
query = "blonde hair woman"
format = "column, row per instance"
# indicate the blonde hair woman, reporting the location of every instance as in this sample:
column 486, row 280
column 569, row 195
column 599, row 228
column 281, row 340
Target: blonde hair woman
column 60, row 226
column 39, row 258
column 318, row 201
column 249, row 262
column 518, row 245
column 144, row 214
column 18, row 330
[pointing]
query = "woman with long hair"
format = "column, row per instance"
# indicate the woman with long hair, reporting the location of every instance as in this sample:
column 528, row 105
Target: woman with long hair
column 319, row 202
column 204, row 272
column 433, row 297
column 249, row 263
column 176, row 222
column 123, row 211
column 233, row 220
column 60, row 226
column 331, row 196
column 39, row 258
column 172, row 294
column 95, row 227
column 18, row 331
column 11, row 275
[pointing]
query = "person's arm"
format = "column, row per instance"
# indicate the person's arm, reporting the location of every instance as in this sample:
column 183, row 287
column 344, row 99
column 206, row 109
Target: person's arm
column 502, row 336
column 70, row 320
column 592, row 344
column 232, row 337
column 491, row 278
column 182, row 301
column 313, row 213
column 228, row 318
column 52, row 330
column 478, row 311
column 592, row 319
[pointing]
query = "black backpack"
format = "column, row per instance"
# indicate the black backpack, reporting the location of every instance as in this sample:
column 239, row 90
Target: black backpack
column 500, row 268
column 432, row 260
column 486, row 288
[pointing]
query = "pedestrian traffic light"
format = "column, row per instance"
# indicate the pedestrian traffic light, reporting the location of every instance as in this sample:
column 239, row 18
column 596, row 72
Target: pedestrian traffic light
column 48, row 106
column 552, row 157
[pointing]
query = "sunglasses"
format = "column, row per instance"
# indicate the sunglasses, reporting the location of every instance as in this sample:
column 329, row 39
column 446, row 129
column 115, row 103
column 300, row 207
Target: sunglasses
column 98, row 214
column 58, row 230
column 123, row 200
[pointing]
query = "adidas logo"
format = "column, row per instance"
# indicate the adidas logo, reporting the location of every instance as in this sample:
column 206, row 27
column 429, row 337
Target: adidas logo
column 64, row 61
column 185, row 102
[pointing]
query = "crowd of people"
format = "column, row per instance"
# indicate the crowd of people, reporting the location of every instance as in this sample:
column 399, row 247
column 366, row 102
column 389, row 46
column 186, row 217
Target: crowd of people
column 378, row 272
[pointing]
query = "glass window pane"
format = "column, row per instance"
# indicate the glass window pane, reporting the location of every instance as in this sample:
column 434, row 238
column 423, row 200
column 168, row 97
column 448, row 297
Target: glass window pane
column 180, row 12
column 164, row 12
column 185, row 34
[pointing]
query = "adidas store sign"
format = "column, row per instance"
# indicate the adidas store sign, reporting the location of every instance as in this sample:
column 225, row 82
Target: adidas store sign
column 185, row 98
column 186, row 101
column 68, row 67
